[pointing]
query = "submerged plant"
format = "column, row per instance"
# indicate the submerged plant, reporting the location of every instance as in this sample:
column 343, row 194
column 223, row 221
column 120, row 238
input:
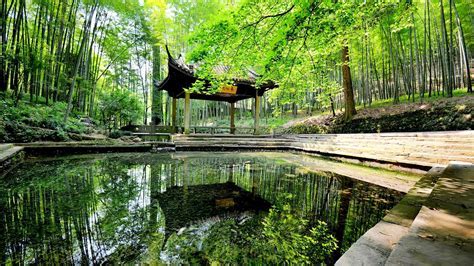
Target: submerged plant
column 288, row 238
column 274, row 237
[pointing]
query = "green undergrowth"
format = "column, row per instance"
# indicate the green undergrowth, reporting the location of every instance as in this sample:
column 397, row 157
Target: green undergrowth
column 27, row 122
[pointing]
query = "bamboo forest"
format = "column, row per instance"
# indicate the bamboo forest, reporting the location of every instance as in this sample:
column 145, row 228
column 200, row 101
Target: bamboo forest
column 236, row 132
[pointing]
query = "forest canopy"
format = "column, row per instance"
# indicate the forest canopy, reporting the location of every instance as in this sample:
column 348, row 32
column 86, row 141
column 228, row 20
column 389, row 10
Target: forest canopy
column 323, row 54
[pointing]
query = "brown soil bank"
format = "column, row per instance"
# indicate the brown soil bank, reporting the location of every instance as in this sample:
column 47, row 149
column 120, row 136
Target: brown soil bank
column 442, row 115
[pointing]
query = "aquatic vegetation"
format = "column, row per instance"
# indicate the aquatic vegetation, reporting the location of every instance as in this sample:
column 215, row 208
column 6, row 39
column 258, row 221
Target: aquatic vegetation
column 271, row 238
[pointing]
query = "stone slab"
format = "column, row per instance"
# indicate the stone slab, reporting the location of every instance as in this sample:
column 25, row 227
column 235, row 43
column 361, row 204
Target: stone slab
column 374, row 247
column 9, row 153
column 4, row 147
column 436, row 238
column 443, row 231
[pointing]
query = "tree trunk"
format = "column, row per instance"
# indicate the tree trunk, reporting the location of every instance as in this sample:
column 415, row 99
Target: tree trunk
column 349, row 104
column 156, row 105
column 464, row 48
column 79, row 60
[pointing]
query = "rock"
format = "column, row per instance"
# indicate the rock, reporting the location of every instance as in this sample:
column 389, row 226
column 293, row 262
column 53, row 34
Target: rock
column 87, row 121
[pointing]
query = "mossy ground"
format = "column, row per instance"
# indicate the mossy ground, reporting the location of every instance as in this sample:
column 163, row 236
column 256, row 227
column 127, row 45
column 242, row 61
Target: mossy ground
column 27, row 122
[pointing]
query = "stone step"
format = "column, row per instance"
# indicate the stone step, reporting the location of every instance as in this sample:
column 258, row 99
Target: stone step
column 402, row 151
column 432, row 240
column 4, row 147
column 436, row 134
column 395, row 148
column 376, row 245
column 443, row 231
column 391, row 153
column 9, row 153
column 357, row 151
column 431, row 142
column 455, row 142
column 439, row 154
column 375, row 157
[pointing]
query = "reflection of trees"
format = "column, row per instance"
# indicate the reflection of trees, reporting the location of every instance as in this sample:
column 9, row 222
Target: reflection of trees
column 349, row 207
column 73, row 212
column 40, row 214
column 84, row 210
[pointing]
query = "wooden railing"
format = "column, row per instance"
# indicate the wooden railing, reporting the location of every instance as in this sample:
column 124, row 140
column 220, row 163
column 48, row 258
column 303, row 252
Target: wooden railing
column 202, row 130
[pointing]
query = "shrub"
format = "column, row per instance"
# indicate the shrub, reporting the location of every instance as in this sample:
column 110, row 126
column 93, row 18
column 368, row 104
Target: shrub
column 120, row 106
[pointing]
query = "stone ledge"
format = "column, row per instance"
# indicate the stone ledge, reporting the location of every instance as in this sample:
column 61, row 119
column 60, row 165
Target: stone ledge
column 374, row 247
column 9, row 157
column 393, row 227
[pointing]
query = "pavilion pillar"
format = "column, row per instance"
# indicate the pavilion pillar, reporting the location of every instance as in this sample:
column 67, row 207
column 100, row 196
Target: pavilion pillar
column 173, row 116
column 187, row 112
column 257, row 114
column 232, row 116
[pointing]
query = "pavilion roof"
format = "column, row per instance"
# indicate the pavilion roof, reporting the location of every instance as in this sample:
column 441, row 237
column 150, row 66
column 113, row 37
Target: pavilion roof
column 182, row 76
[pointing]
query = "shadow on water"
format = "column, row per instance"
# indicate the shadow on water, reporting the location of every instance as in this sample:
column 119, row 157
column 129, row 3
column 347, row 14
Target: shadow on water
column 109, row 208
column 184, row 205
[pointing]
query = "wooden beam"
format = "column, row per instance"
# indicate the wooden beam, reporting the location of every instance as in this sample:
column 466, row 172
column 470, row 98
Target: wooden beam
column 187, row 112
column 257, row 114
column 173, row 116
column 232, row 118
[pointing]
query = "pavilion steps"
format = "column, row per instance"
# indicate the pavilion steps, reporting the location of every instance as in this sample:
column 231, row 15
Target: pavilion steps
column 236, row 142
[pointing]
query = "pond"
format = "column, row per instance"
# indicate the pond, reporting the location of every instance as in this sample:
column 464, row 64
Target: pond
column 181, row 208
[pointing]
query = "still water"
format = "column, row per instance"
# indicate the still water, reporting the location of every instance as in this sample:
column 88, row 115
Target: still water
column 181, row 208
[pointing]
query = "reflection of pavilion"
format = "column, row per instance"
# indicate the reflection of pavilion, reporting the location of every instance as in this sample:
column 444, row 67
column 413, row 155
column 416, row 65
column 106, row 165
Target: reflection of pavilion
column 182, row 206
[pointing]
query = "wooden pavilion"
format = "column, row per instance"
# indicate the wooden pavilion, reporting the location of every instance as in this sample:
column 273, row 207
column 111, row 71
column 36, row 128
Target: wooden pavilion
column 181, row 76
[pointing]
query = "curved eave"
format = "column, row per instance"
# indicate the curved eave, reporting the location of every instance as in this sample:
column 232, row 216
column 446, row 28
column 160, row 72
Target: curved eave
column 179, row 79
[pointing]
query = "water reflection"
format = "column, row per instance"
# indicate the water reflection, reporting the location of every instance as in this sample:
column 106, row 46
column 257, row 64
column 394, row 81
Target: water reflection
column 110, row 208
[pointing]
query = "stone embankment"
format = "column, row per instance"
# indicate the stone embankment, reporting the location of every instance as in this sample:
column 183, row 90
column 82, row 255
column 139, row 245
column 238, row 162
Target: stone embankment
column 9, row 155
column 413, row 150
column 432, row 225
